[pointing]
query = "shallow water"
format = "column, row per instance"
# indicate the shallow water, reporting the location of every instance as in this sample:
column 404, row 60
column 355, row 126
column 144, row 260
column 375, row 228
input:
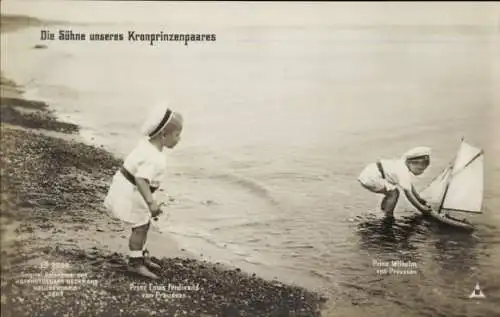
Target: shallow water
column 279, row 122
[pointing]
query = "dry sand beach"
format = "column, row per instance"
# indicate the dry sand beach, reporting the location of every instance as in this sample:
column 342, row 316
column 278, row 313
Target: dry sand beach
column 52, row 188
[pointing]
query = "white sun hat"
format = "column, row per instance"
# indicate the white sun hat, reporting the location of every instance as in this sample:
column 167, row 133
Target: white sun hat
column 417, row 153
column 158, row 118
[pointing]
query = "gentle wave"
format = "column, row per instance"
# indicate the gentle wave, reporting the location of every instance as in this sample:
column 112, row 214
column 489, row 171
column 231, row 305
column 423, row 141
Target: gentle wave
column 251, row 185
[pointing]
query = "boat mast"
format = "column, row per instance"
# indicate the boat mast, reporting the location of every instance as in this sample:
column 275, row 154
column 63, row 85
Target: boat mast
column 444, row 195
column 448, row 180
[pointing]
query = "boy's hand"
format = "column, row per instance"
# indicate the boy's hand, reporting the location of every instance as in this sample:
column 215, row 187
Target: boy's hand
column 154, row 208
column 427, row 207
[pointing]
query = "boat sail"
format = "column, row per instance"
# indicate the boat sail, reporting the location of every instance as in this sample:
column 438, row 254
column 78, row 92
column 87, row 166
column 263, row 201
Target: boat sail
column 460, row 186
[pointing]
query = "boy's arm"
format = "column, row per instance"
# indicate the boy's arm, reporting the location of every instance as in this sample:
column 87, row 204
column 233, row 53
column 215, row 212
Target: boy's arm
column 143, row 187
column 417, row 196
column 416, row 200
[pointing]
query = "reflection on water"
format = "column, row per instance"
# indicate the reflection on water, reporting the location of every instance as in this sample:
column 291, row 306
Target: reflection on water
column 390, row 235
column 455, row 250
column 447, row 263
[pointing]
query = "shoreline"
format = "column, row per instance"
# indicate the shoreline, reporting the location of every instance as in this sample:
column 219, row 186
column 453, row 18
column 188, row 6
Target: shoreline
column 52, row 188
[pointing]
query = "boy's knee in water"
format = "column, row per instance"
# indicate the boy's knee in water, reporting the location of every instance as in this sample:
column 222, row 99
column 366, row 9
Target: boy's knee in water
column 389, row 202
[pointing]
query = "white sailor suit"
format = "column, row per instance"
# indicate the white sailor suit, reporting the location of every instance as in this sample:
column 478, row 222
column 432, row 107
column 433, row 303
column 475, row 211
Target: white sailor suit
column 390, row 174
column 124, row 201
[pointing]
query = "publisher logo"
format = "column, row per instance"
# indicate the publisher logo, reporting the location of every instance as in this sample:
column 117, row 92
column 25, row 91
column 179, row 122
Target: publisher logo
column 477, row 293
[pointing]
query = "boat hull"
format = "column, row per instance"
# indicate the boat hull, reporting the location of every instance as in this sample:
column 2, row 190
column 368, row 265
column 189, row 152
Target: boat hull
column 447, row 219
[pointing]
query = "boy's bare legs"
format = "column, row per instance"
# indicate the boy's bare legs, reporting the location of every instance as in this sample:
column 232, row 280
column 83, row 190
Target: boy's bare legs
column 145, row 252
column 142, row 236
column 136, row 244
column 389, row 202
column 138, row 237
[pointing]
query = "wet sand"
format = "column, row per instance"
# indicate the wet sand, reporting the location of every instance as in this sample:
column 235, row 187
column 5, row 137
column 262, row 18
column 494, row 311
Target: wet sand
column 53, row 222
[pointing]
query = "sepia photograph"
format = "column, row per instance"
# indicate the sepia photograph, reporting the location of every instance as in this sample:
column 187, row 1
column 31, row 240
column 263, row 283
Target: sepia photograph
column 231, row 159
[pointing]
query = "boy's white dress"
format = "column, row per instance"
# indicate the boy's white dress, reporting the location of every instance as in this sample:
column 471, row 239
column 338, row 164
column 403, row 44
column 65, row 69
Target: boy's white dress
column 396, row 174
column 124, row 200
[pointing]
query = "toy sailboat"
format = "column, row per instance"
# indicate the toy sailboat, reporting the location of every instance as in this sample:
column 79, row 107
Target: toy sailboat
column 459, row 188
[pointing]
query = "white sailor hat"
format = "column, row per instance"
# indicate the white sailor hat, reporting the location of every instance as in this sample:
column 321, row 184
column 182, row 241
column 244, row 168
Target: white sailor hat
column 158, row 118
column 417, row 153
